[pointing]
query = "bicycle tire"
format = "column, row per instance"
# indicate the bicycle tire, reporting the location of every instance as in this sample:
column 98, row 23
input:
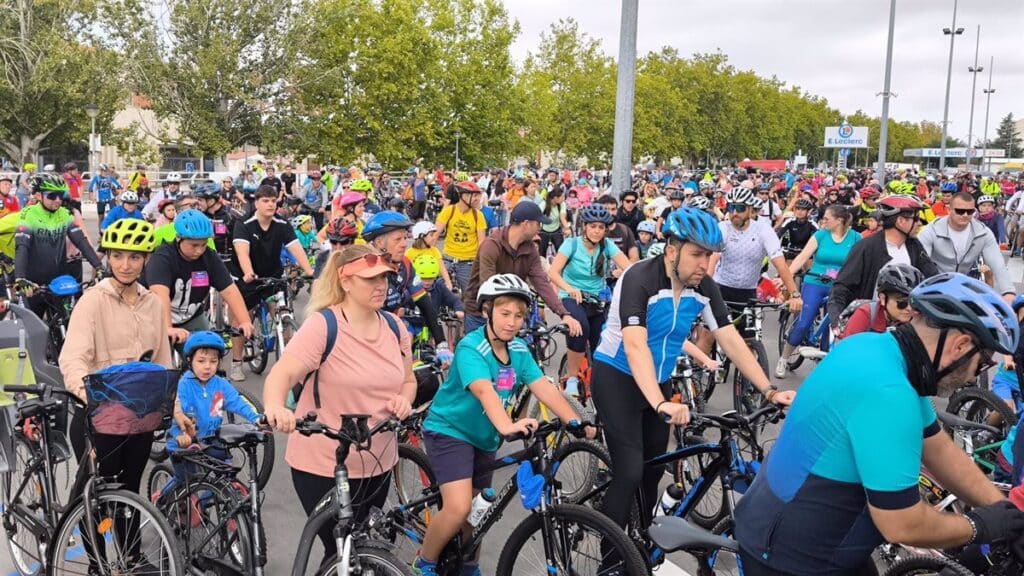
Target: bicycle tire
column 721, row 562
column 213, row 499
column 610, row 536
column 926, row 565
column 747, row 398
column 156, row 480
column 410, row 479
column 168, row 561
column 24, row 547
column 261, row 356
column 374, row 559
column 593, row 470
column 265, row 452
column 711, row 508
column 795, row 360
column 975, row 404
column 784, row 327
column 288, row 330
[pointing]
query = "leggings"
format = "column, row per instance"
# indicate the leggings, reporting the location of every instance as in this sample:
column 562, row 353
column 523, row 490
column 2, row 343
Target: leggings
column 814, row 297
column 550, row 238
column 634, row 433
column 367, row 493
column 592, row 320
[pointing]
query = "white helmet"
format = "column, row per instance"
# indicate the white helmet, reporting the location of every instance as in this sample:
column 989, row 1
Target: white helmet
column 129, row 197
column 422, row 228
column 646, row 226
column 739, row 195
column 656, row 249
column 756, row 203
column 986, row 198
column 173, row 178
column 504, row 285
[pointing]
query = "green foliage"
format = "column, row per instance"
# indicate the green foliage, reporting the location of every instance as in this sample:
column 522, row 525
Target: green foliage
column 1008, row 137
column 133, row 146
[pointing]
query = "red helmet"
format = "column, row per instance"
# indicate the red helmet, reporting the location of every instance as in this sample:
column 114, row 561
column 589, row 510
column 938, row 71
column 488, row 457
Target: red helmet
column 468, row 187
column 314, row 174
column 341, row 231
column 893, row 205
column 868, row 192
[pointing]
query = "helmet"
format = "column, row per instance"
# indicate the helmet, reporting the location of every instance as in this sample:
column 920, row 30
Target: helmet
column 426, row 266
column 756, row 203
column 69, row 166
column 350, row 199
column 950, row 187
column 341, row 231
column 173, row 178
column 384, row 222
column 467, row 187
column 204, row 339
column 739, row 195
column 647, row 226
column 504, row 285
column 164, row 204
column 676, row 194
column 596, row 213
column 656, row 249
column 192, row 224
column 899, row 278
column 957, row 301
column 699, row 203
column 396, row 204
column 804, row 204
column 129, row 197
column 361, row 185
column 868, row 192
column 986, row 198
column 706, row 185
column 103, row 167
column 695, row 226
column 131, row 235
column 422, row 229
column 893, row 205
column 299, row 220
column 49, row 183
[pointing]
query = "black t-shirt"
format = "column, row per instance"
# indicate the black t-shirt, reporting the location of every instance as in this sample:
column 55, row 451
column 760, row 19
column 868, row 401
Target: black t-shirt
column 795, row 235
column 622, row 236
column 288, row 181
column 223, row 229
column 188, row 282
column 273, row 181
column 264, row 246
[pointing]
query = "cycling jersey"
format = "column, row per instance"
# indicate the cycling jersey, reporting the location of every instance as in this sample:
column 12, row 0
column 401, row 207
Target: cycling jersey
column 740, row 263
column 643, row 297
column 404, row 288
column 794, row 234
column 223, row 226
column 41, row 244
column 104, row 187
column 853, row 436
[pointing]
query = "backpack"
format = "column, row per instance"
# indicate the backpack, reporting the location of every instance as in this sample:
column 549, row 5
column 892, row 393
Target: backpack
column 332, row 337
column 847, row 313
column 476, row 217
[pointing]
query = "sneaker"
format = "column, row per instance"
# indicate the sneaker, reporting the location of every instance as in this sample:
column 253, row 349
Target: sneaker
column 470, row 569
column 422, row 567
column 781, row 368
column 237, row 374
column 572, row 386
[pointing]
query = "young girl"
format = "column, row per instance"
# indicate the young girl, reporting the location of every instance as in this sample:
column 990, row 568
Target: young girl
column 468, row 416
column 424, row 242
column 303, row 225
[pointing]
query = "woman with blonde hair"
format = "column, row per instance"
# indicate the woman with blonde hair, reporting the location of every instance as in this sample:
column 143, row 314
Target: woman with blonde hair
column 367, row 371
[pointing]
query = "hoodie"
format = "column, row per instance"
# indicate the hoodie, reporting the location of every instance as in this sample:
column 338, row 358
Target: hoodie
column 206, row 404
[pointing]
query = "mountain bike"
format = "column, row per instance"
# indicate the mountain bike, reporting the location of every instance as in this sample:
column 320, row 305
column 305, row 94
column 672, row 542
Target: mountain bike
column 746, row 397
column 273, row 324
column 60, row 297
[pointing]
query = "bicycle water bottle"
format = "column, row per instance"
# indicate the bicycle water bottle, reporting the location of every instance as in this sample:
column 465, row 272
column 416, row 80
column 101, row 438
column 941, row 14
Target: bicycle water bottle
column 674, row 494
column 481, row 504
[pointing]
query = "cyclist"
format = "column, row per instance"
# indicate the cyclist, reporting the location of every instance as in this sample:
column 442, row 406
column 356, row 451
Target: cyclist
column 646, row 232
column 956, row 243
column 555, row 233
column 621, row 235
column 990, row 217
column 388, row 232
column 941, row 205
column 895, row 282
column 578, row 271
column 315, row 197
column 41, row 239
column 468, row 416
column 223, row 218
column 653, row 308
column 828, row 248
column 103, row 186
column 172, row 184
column 182, row 272
column 8, row 201
column 857, row 278
column 424, row 242
column 343, row 200
column 464, row 228
column 128, row 209
column 795, row 232
column 303, row 227
column 862, row 210
column 631, row 214
column 843, row 475
column 676, row 197
column 338, row 233
column 428, row 268
column 258, row 242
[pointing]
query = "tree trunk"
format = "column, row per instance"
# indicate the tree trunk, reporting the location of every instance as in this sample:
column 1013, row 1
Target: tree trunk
column 27, row 150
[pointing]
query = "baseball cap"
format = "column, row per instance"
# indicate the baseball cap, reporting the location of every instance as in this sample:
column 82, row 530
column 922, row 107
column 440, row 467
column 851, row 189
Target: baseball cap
column 527, row 211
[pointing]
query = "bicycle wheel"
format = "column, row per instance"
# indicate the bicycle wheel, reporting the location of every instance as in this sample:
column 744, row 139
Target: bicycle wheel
column 411, row 479
column 785, row 324
column 133, row 538
column 158, row 451
column 264, row 452
column 983, row 406
column 288, row 329
column 208, row 523
column 724, row 562
column 368, row 559
column 711, row 508
column 583, row 465
column 927, row 566
column 582, row 541
column 745, row 396
column 260, row 354
column 23, row 545
column 157, row 480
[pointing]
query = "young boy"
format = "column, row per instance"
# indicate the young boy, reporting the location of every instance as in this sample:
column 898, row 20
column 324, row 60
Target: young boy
column 428, row 268
column 468, row 415
column 645, row 233
column 303, row 225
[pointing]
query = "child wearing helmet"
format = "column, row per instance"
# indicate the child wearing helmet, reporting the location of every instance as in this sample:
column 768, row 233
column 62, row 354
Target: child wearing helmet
column 890, row 308
column 645, row 236
column 429, row 268
column 424, row 242
column 303, row 226
column 129, row 208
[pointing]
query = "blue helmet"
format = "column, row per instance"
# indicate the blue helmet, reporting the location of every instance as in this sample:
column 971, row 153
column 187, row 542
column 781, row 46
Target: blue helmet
column 204, row 339
column 596, row 213
column 384, row 222
column 192, row 224
column 697, row 226
column 957, row 301
column 949, row 187
column 1018, row 302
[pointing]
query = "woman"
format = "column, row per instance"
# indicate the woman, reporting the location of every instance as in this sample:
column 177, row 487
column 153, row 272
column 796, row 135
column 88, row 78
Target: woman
column 829, row 247
column 579, row 272
column 369, row 370
column 553, row 207
column 988, row 216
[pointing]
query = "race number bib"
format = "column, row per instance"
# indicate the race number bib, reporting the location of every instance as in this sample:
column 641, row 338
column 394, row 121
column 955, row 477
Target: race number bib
column 219, row 228
column 200, row 280
column 505, row 384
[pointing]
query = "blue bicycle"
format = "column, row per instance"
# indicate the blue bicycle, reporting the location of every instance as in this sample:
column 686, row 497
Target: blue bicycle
column 273, row 323
column 816, row 343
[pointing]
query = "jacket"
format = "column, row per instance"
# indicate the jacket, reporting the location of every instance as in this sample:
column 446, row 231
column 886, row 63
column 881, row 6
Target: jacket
column 41, row 244
column 105, row 331
column 857, row 277
column 496, row 256
column 983, row 245
column 206, row 404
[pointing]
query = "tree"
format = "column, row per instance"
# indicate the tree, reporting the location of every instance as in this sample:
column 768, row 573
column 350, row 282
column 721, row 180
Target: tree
column 1008, row 137
column 53, row 65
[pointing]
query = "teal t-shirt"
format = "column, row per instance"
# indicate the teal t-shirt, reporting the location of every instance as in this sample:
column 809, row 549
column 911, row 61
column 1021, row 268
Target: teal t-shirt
column 581, row 269
column 456, row 412
column 830, row 255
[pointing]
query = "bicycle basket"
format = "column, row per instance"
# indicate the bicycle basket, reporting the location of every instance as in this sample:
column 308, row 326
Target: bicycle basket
column 132, row 398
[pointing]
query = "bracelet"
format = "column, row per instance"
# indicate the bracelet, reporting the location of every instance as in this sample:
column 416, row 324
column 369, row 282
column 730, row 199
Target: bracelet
column 659, row 406
column 974, row 529
column 771, row 394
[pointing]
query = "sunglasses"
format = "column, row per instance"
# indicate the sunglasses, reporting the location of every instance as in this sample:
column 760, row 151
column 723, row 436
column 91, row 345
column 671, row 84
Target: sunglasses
column 736, row 207
column 964, row 211
column 901, row 303
column 629, row 201
column 54, row 196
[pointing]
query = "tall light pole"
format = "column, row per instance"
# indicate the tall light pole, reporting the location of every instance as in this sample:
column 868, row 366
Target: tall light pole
column 988, row 100
column 622, row 152
column 92, row 110
column 952, row 32
column 458, row 134
column 883, row 134
column 974, row 86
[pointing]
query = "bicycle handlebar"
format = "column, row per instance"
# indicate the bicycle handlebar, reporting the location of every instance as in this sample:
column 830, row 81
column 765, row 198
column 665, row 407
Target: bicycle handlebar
column 733, row 420
column 574, row 427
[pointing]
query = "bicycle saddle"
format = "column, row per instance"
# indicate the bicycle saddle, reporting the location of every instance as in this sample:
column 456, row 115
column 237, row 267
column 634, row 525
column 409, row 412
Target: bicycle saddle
column 953, row 421
column 671, row 533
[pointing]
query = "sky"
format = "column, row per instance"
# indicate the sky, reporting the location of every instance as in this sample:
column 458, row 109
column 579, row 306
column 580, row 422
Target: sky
column 831, row 48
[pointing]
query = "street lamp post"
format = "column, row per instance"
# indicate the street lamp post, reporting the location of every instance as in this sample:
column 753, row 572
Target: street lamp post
column 458, row 134
column 883, row 136
column 952, row 32
column 974, row 86
column 988, row 100
column 92, row 110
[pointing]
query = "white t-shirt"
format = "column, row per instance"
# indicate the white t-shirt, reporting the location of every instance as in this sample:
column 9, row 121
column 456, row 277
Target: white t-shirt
column 740, row 263
column 898, row 254
column 961, row 241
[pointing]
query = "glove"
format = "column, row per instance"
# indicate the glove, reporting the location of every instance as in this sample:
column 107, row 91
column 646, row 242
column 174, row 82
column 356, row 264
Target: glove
column 444, row 355
column 996, row 522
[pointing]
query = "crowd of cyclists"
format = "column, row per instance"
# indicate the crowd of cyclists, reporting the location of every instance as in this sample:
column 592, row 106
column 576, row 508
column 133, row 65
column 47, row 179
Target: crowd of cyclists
column 906, row 278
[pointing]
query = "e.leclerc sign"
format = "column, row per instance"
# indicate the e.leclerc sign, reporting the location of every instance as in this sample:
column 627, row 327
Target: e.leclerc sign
column 846, row 136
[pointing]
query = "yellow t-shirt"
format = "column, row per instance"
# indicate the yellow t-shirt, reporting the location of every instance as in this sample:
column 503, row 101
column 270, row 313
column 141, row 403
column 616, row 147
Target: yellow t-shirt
column 461, row 242
column 413, row 253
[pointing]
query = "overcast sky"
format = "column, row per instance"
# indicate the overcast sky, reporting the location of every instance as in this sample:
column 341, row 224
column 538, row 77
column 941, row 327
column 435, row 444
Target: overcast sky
column 831, row 48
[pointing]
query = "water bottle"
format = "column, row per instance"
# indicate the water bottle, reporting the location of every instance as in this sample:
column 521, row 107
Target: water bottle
column 674, row 494
column 481, row 504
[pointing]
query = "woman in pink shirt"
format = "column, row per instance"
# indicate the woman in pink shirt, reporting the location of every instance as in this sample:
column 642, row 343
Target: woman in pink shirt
column 369, row 371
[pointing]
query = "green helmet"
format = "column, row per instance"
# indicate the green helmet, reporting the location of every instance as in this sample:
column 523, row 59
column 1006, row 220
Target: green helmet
column 426, row 266
column 49, row 183
column 361, row 185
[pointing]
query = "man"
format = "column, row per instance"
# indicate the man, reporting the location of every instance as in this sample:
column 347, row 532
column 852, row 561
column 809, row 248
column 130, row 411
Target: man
column 630, row 213
column 288, row 179
column 103, row 186
column 857, row 277
column 315, row 198
column 466, row 228
column 941, row 206
column 621, row 235
column 272, row 180
column 843, row 476
column 23, row 183
column 511, row 250
column 770, row 211
column 258, row 242
column 957, row 242
column 8, row 202
column 74, row 181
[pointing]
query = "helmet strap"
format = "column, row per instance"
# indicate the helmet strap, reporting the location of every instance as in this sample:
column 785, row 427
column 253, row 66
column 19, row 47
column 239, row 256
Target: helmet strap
column 492, row 334
column 921, row 369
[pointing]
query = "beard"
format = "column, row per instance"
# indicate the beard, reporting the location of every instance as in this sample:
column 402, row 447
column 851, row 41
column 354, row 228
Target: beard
column 956, row 380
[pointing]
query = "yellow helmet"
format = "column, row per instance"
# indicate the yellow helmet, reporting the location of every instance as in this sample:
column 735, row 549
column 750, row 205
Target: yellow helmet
column 361, row 185
column 130, row 235
column 426, row 266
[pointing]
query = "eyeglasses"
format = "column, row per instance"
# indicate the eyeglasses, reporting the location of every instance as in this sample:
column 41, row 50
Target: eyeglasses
column 901, row 303
column 54, row 196
column 964, row 211
column 737, row 207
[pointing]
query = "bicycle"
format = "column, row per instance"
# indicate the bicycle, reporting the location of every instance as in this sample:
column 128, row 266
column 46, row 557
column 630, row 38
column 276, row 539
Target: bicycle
column 746, row 397
column 551, row 535
column 59, row 297
column 452, row 326
column 110, row 523
column 273, row 322
column 983, row 406
column 594, row 302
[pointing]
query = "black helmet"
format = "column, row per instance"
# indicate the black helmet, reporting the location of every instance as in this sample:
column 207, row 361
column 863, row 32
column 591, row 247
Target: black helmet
column 804, row 204
column 898, row 278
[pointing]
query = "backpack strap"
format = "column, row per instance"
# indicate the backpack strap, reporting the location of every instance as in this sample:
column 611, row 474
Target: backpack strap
column 393, row 325
column 332, row 337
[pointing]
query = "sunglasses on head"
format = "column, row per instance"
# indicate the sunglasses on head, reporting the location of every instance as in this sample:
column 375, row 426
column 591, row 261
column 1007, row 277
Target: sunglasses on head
column 736, row 207
column 964, row 211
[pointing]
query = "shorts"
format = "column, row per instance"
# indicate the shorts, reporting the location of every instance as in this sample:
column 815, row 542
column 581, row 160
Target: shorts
column 453, row 459
column 1005, row 387
column 253, row 293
